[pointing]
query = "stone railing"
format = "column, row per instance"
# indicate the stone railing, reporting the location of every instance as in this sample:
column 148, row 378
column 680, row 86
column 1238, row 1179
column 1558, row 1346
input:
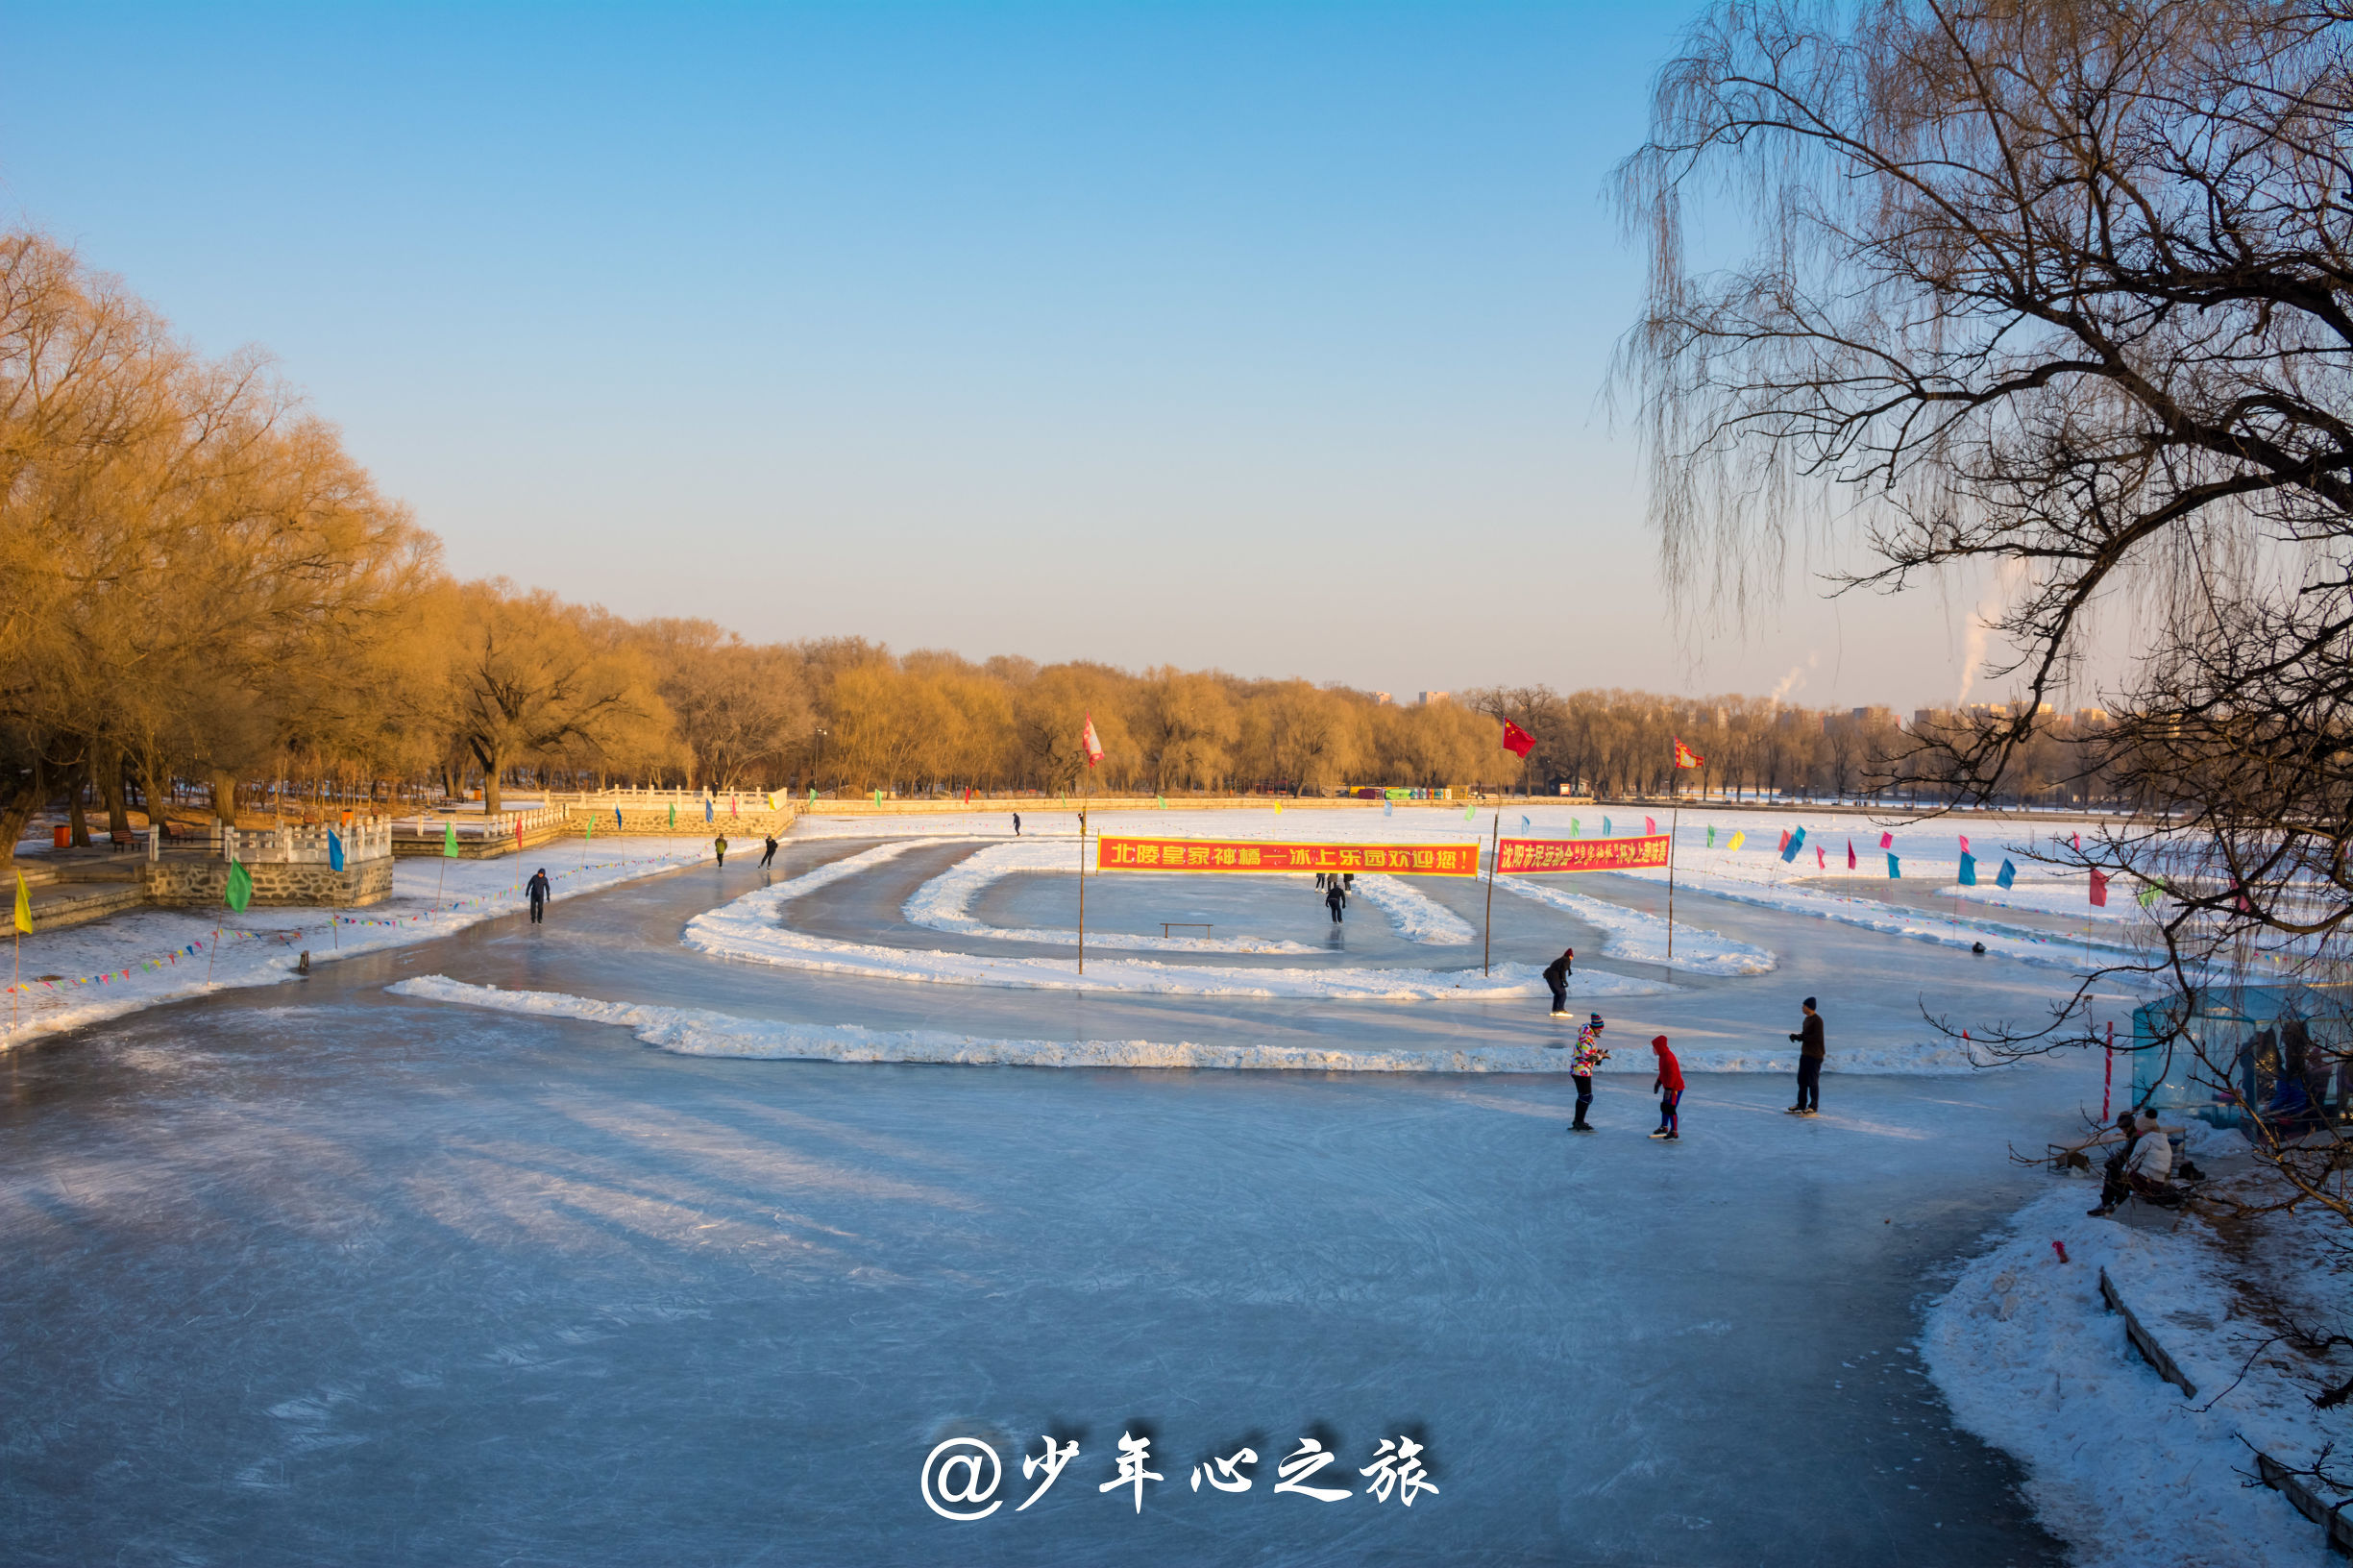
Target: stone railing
column 364, row 838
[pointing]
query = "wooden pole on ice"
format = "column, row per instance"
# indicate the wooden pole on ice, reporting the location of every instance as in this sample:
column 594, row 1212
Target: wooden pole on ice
column 1486, row 951
column 1675, row 822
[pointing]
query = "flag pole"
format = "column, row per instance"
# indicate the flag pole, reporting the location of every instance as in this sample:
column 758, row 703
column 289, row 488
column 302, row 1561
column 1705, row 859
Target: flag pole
column 1675, row 824
column 1487, row 948
column 1082, row 885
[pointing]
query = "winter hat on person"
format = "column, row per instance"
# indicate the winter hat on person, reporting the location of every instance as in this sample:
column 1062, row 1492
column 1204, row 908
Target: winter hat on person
column 1808, row 1003
column 1597, row 1021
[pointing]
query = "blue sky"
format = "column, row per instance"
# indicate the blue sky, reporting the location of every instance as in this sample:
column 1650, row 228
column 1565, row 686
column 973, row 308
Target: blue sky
column 1269, row 337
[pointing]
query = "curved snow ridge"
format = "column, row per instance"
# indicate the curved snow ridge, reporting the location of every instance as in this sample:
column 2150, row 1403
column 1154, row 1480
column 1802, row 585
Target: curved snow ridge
column 700, row 1032
column 749, row 928
column 1642, row 937
column 1413, row 914
column 945, row 904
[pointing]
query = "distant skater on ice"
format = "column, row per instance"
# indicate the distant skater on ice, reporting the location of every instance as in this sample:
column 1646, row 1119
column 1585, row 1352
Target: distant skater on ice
column 1810, row 1052
column 536, row 890
column 1335, row 899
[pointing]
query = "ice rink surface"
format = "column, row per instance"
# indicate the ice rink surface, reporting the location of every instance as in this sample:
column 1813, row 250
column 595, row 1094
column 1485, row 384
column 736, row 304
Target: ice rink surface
column 317, row 1274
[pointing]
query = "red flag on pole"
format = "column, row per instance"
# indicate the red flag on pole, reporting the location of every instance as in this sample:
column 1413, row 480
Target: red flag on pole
column 1650, row 827
column 1851, row 855
column 1685, row 757
column 1822, row 858
column 2099, row 888
column 1089, row 742
column 1517, row 741
column 1784, row 844
column 1887, row 841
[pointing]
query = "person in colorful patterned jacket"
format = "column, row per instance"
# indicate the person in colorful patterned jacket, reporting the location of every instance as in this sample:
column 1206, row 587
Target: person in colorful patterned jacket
column 1590, row 1055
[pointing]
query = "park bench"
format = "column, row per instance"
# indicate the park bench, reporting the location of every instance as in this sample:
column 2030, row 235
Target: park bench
column 1168, row 926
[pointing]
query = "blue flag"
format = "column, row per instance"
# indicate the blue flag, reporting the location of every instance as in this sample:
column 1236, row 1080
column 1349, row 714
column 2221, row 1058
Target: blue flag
column 1797, row 842
column 1969, row 869
column 335, row 850
column 706, row 812
column 1605, row 827
column 2008, row 875
column 616, row 818
column 1895, row 867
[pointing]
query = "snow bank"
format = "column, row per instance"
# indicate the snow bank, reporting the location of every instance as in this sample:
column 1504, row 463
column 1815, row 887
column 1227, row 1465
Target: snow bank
column 1898, row 920
column 2119, row 1464
column 696, row 1032
column 1632, row 933
column 748, row 929
column 145, row 956
column 1413, row 914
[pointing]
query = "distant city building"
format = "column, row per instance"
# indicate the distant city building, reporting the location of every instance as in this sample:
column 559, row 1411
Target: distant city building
column 2090, row 717
column 1381, row 699
column 1431, row 698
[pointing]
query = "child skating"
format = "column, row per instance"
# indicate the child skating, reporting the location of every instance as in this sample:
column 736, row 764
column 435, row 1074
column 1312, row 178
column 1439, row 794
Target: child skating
column 1670, row 1087
column 1590, row 1055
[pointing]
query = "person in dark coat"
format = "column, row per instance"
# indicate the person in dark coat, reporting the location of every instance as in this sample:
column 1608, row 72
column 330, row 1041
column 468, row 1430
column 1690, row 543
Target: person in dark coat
column 769, row 853
column 1336, row 901
column 1810, row 1052
column 1556, row 975
column 1016, row 825
column 2113, row 1187
column 537, row 889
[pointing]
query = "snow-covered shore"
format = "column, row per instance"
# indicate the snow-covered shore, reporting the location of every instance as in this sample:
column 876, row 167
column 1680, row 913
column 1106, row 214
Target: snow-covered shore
column 2120, row 1463
column 146, row 957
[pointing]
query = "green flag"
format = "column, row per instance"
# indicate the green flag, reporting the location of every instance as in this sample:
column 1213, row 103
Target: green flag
column 592, row 829
column 449, row 840
column 240, row 889
column 674, row 814
column 1711, row 838
column 1470, row 809
column 2149, row 895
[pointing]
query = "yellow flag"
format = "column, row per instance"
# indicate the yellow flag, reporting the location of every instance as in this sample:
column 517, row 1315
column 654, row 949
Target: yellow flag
column 24, row 904
column 1738, row 838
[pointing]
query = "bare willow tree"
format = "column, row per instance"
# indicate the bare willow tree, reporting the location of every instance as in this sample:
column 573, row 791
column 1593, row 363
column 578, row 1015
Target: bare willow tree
column 2060, row 294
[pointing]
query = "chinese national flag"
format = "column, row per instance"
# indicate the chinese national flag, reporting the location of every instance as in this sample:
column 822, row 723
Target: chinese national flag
column 1685, row 757
column 1517, row 741
column 1089, row 743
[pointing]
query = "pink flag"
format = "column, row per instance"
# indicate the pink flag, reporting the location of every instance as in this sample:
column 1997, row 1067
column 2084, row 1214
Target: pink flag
column 2099, row 888
column 1851, row 855
column 1965, row 843
column 1650, row 827
column 1887, row 841
column 2075, row 839
column 1821, row 861
column 1784, row 844
column 1089, row 743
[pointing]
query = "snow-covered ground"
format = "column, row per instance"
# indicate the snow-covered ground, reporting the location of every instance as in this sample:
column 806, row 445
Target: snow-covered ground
column 2120, row 1463
column 1642, row 937
column 142, row 957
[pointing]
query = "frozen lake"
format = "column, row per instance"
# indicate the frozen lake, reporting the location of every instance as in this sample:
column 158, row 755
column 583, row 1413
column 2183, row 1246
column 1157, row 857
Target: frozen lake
column 319, row 1274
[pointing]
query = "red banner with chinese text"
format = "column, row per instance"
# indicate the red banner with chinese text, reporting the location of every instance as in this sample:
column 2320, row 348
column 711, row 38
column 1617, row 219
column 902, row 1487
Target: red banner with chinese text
column 1522, row 857
column 1259, row 856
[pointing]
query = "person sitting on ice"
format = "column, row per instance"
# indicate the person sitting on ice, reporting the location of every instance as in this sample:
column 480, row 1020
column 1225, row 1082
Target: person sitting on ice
column 2113, row 1187
column 2150, row 1168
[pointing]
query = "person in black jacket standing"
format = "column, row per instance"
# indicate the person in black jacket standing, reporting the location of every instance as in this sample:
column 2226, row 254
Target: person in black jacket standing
column 1556, row 975
column 537, row 889
column 1810, row 1052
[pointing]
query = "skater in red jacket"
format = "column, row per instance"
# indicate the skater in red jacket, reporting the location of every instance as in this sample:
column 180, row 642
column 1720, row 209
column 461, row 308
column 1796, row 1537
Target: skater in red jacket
column 1670, row 1087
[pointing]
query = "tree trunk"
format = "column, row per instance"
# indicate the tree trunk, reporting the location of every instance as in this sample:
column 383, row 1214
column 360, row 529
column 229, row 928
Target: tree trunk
column 225, row 800
column 73, row 805
column 110, row 790
column 18, row 803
